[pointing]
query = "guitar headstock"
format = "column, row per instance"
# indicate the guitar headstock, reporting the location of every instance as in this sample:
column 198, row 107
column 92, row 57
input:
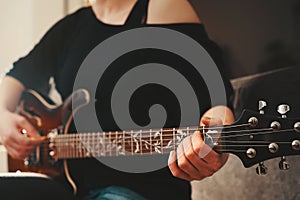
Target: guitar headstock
column 256, row 137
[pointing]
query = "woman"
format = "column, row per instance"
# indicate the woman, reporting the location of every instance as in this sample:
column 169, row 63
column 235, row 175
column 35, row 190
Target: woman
column 60, row 53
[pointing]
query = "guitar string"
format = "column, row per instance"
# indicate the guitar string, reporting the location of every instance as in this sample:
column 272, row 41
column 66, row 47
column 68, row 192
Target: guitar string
column 82, row 154
column 191, row 128
column 75, row 137
column 87, row 154
column 105, row 134
column 122, row 140
column 225, row 150
column 72, row 154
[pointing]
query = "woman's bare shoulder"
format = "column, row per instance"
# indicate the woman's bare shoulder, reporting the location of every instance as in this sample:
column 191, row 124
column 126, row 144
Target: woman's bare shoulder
column 171, row 11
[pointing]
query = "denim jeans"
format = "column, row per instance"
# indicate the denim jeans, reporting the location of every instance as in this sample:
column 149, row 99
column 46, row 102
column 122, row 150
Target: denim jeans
column 113, row 193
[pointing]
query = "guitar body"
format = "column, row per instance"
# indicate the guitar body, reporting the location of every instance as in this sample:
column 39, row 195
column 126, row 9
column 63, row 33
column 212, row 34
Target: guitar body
column 47, row 118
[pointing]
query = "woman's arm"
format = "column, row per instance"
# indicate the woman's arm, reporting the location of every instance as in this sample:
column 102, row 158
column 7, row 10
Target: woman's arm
column 10, row 93
column 11, row 124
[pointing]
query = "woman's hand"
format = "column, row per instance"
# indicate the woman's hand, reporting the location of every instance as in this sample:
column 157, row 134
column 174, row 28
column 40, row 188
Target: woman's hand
column 195, row 160
column 18, row 145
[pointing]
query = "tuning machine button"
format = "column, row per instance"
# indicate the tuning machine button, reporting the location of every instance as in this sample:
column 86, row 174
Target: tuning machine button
column 275, row 126
column 273, row 147
column 297, row 127
column 283, row 109
column 261, row 169
column 283, row 164
column 253, row 121
column 296, row 145
column 251, row 153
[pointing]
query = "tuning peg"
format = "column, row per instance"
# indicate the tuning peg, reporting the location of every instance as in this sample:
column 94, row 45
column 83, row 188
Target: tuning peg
column 283, row 164
column 261, row 169
column 261, row 105
column 283, row 109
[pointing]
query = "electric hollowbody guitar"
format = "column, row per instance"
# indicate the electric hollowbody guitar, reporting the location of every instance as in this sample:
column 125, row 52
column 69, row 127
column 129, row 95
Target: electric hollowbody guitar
column 254, row 137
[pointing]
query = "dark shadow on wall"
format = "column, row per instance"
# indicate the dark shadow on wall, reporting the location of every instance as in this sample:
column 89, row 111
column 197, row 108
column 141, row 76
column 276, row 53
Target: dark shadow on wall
column 249, row 32
column 277, row 55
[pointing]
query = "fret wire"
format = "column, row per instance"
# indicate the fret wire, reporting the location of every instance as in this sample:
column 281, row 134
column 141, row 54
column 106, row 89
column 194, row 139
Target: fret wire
column 80, row 146
column 82, row 149
column 74, row 146
column 67, row 147
column 95, row 139
column 123, row 142
column 151, row 151
column 86, row 144
column 131, row 140
column 61, row 148
column 141, row 143
column 70, row 146
column 64, row 150
column 68, row 141
column 109, row 146
column 58, row 151
column 94, row 145
column 161, row 140
column 85, row 149
column 104, row 144
column 116, row 139
column 100, row 147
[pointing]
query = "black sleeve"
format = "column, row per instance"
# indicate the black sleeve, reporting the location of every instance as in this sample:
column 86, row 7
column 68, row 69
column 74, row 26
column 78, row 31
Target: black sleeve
column 198, row 33
column 35, row 69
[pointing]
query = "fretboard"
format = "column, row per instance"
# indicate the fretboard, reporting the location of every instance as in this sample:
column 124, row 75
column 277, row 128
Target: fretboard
column 107, row 144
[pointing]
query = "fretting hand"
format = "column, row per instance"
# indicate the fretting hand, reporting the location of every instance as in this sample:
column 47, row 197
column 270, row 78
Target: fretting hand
column 195, row 160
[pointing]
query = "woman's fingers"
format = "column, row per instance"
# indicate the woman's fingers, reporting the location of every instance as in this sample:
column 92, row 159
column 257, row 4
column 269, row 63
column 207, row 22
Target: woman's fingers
column 19, row 145
column 195, row 159
column 175, row 170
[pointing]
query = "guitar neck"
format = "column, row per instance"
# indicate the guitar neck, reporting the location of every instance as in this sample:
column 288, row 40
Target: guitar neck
column 125, row 143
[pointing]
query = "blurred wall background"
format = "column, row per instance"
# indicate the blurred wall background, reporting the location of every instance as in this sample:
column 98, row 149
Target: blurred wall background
column 24, row 22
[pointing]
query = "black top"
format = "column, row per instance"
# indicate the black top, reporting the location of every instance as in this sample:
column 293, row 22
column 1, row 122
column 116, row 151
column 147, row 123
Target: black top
column 60, row 54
